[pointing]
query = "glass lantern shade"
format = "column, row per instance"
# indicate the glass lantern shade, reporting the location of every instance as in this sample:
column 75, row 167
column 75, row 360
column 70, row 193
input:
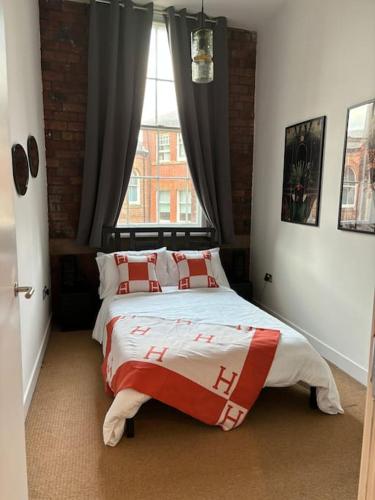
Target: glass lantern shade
column 202, row 45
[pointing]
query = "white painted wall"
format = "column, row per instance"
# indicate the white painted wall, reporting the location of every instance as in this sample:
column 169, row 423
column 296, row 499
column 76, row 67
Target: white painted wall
column 26, row 117
column 314, row 58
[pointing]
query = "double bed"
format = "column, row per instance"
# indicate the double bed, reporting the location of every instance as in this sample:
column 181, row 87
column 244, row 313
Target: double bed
column 294, row 360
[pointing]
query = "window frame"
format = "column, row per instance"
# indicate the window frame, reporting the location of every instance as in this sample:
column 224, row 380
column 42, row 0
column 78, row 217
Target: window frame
column 135, row 175
column 168, row 150
column 160, row 220
column 185, row 203
column 174, row 157
column 180, row 142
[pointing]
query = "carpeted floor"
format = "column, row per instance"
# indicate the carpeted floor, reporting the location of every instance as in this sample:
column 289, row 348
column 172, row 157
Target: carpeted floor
column 283, row 451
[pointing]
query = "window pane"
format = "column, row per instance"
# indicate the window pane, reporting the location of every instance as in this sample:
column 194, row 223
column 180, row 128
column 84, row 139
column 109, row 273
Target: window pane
column 133, row 189
column 167, row 105
column 181, row 155
column 185, row 197
column 184, row 206
column 164, row 197
column 151, row 67
column 164, row 151
column 164, row 60
column 164, row 206
column 149, row 104
column 132, row 194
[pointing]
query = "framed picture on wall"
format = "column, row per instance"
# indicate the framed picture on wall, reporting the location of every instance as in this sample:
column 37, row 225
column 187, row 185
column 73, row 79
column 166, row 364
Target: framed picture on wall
column 357, row 195
column 303, row 157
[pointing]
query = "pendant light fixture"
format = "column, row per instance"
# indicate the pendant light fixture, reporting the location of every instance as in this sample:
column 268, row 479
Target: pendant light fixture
column 202, row 51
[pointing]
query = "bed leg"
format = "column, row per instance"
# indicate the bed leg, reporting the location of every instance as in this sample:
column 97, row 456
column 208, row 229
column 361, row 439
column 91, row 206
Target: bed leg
column 129, row 428
column 313, row 400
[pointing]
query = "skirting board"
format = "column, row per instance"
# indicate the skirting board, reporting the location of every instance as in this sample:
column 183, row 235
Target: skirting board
column 329, row 353
column 28, row 394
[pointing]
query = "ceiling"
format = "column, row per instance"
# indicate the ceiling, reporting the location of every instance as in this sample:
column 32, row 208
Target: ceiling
column 249, row 14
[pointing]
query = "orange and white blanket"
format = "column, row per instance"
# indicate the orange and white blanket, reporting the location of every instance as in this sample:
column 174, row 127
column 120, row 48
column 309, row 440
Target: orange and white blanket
column 211, row 372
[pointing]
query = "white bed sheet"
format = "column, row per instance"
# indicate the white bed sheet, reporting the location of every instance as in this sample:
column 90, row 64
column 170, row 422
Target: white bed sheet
column 295, row 359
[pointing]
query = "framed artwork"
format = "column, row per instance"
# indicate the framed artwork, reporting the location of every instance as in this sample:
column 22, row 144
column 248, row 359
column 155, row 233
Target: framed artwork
column 303, row 157
column 357, row 195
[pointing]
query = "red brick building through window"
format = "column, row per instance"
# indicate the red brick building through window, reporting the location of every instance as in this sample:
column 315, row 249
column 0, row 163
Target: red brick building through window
column 160, row 189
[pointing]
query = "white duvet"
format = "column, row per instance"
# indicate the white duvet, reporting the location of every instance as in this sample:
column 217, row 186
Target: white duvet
column 295, row 360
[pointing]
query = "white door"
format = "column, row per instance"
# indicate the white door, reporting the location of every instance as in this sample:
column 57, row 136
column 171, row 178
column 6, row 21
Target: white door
column 367, row 478
column 13, row 480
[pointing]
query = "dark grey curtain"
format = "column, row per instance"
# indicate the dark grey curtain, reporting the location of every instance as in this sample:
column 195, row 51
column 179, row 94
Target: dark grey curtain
column 203, row 112
column 117, row 65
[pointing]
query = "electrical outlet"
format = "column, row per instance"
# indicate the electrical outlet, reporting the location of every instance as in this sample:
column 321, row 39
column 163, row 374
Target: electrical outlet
column 268, row 277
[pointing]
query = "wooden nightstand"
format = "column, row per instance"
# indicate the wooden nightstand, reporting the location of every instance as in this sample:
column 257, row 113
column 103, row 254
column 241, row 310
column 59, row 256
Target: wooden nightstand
column 244, row 289
column 76, row 310
column 76, row 302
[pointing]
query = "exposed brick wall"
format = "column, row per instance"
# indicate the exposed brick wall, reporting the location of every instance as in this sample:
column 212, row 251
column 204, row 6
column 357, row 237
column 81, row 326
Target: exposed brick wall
column 242, row 59
column 64, row 39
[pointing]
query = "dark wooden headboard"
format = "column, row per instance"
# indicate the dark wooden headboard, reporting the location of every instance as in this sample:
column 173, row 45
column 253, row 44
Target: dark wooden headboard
column 174, row 238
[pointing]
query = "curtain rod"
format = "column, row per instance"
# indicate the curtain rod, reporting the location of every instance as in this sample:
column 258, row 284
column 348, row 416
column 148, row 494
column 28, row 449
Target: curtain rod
column 159, row 11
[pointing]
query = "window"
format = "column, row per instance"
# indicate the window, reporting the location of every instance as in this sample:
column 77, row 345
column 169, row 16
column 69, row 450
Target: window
column 164, row 151
column 164, row 207
column 184, row 206
column 134, row 189
column 349, row 188
column 181, row 155
column 160, row 168
column 140, row 141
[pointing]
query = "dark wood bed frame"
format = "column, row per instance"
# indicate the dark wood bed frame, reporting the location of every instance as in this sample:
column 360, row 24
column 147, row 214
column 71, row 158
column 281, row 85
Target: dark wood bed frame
column 174, row 238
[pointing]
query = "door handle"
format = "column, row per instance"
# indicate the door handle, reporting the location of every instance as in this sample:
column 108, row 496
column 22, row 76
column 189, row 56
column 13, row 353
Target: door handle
column 27, row 290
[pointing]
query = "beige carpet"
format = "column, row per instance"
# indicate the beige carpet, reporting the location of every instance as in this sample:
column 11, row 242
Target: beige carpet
column 283, row 450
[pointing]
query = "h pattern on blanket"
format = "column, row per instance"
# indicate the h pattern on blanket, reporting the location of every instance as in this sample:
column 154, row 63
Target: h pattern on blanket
column 212, row 372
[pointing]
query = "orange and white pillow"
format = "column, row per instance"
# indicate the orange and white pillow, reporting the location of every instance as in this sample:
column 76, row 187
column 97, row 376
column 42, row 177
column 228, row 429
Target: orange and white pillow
column 109, row 274
column 195, row 271
column 137, row 273
column 217, row 268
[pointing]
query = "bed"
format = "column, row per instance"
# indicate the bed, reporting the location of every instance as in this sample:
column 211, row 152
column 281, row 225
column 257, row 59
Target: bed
column 294, row 360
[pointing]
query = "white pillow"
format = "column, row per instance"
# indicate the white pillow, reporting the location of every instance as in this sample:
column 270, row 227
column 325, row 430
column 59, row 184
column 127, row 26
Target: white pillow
column 109, row 274
column 217, row 268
